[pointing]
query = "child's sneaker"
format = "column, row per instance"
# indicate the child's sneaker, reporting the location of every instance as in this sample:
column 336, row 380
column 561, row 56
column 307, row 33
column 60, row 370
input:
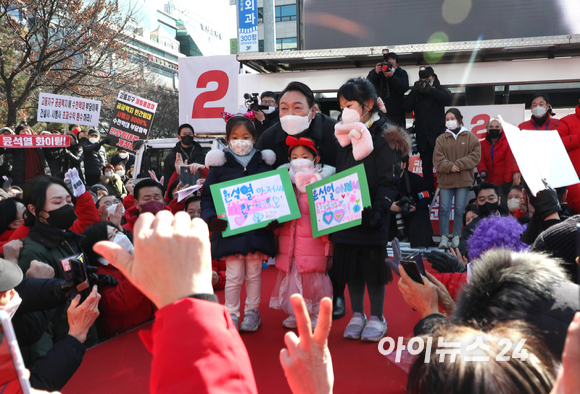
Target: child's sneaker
column 251, row 321
column 355, row 326
column 289, row 322
column 235, row 320
column 375, row 330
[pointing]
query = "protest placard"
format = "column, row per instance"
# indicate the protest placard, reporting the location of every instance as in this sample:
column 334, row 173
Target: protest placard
column 254, row 201
column 132, row 120
column 53, row 108
column 336, row 202
column 35, row 141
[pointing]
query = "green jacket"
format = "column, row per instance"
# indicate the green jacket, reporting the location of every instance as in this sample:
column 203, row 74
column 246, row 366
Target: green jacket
column 114, row 185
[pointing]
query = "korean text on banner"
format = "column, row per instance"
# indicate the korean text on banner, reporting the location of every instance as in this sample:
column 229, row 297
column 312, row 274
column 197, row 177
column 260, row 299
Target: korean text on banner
column 248, row 25
column 254, row 201
column 336, row 203
column 35, row 141
column 208, row 87
column 132, row 120
column 540, row 155
column 53, row 108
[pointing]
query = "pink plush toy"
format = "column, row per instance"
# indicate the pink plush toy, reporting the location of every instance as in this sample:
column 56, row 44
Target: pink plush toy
column 351, row 130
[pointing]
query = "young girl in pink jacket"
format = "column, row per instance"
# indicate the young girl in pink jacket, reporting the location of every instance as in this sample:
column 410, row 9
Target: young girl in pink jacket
column 302, row 260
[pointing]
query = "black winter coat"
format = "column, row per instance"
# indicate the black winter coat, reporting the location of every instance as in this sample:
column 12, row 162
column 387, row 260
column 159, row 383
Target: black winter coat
column 383, row 173
column 392, row 91
column 429, row 113
column 5, row 164
column 128, row 162
column 260, row 240
column 95, row 157
column 269, row 121
column 321, row 131
column 196, row 155
column 19, row 165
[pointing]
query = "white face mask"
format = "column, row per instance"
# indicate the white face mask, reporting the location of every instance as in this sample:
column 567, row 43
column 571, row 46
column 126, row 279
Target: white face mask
column 112, row 208
column 93, row 140
column 293, row 124
column 451, row 124
column 241, row 147
column 302, row 165
column 269, row 110
column 121, row 173
column 350, row 115
column 538, row 112
column 123, row 241
column 12, row 305
column 108, row 174
column 123, row 155
column 513, row 204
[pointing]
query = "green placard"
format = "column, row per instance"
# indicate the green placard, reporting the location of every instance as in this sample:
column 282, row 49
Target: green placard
column 254, row 201
column 336, row 202
column 233, row 46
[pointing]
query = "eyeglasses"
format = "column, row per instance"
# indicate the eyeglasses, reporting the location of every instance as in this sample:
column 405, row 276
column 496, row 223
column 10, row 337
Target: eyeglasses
column 269, row 102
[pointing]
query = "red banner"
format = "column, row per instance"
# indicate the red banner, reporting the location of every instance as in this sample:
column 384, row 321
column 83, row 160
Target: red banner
column 35, row 141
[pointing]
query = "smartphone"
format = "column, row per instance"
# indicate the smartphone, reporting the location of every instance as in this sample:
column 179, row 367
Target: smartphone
column 187, row 178
column 410, row 266
column 419, row 260
column 12, row 371
column 75, row 271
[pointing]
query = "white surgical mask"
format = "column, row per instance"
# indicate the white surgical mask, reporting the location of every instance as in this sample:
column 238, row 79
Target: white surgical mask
column 513, row 204
column 93, row 140
column 350, row 115
column 269, row 110
column 12, row 305
column 121, row 173
column 123, row 155
column 123, row 241
column 451, row 124
column 538, row 112
column 112, row 208
column 109, row 174
column 241, row 147
column 293, row 124
column 302, row 165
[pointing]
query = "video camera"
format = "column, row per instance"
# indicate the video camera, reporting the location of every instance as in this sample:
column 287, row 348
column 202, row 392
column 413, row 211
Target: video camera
column 252, row 102
column 423, row 78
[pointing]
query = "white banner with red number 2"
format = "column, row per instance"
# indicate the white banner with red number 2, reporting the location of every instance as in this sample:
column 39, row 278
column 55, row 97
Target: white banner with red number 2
column 208, row 85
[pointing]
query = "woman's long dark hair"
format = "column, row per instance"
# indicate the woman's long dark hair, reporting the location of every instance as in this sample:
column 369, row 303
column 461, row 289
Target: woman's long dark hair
column 34, row 194
column 93, row 234
column 8, row 212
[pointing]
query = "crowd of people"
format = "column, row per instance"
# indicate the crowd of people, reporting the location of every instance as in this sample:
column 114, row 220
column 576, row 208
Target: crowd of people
column 507, row 269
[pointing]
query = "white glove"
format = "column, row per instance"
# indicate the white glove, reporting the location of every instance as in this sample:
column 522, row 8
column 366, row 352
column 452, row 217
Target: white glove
column 74, row 182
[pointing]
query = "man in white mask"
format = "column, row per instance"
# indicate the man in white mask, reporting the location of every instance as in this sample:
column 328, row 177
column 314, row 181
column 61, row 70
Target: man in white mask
column 123, row 157
column 298, row 118
column 266, row 118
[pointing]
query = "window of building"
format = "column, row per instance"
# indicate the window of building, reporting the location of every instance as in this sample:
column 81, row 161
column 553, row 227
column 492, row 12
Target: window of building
column 261, row 45
column 260, row 15
column 287, row 44
column 286, row 13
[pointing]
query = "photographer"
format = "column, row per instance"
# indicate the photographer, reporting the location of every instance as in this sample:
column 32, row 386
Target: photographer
column 391, row 83
column 428, row 99
column 266, row 113
column 412, row 208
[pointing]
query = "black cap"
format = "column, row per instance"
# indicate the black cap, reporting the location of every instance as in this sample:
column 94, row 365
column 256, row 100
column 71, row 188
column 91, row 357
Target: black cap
column 10, row 275
column 93, row 132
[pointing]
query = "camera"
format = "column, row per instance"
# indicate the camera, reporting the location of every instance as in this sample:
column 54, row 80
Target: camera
column 252, row 102
column 386, row 66
column 405, row 204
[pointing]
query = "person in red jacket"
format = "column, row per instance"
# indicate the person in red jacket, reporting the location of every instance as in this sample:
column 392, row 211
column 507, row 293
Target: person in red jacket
column 569, row 130
column 122, row 306
column 496, row 165
column 211, row 358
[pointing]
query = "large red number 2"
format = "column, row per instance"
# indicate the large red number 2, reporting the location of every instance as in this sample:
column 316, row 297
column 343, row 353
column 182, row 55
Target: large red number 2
column 199, row 109
column 480, row 126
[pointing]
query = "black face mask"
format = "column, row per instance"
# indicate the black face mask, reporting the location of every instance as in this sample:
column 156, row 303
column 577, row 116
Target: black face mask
column 488, row 209
column 187, row 140
column 494, row 133
column 62, row 218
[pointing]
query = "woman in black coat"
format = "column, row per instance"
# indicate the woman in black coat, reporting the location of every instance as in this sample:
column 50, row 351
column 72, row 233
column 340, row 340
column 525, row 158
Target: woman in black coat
column 360, row 252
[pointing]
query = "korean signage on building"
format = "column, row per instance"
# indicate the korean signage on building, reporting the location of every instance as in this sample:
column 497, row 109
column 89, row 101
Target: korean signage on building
column 53, row 108
column 248, row 25
column 132, row 121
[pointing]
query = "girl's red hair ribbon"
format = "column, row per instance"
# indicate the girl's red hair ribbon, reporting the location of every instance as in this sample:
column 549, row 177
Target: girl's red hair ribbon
column 293, row 141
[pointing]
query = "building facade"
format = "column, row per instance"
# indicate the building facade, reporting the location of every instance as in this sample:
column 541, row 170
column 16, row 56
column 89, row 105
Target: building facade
column 287, row 18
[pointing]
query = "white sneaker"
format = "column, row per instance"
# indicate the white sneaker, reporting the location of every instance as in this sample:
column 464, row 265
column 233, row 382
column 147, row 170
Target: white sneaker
column 289, row 322
column 455, row 241
column 444, row 244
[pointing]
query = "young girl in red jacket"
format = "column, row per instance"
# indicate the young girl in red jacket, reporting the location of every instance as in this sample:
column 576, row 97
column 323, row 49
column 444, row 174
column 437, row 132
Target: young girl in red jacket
column 301, row 259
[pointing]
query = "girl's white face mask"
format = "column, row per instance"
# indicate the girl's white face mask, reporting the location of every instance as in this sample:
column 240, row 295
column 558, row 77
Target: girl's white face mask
column 350, row 115
column 293, row 124
column 513, row 204
column 241, row 147
column 302, row 165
